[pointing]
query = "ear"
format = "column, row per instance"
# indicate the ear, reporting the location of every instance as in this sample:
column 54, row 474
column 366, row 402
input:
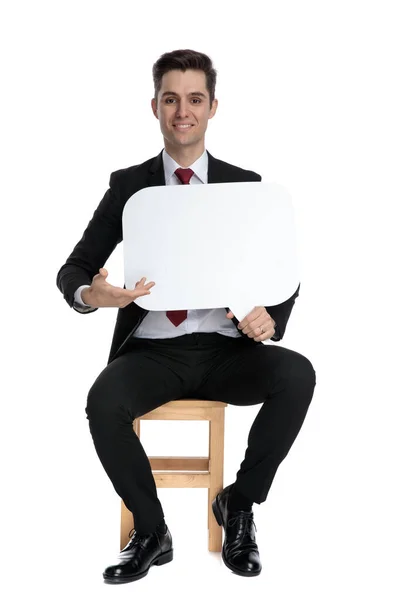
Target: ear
column 154, row 107
column 214, row 107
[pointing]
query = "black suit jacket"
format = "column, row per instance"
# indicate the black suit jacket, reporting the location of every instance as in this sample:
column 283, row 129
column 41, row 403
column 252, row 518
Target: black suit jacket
column 104, row 232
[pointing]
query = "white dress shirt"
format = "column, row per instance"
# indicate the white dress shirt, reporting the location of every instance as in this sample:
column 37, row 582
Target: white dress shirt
column 156, row 323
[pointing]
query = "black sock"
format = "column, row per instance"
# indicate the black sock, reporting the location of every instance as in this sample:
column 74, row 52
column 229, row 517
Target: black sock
column 236, row 500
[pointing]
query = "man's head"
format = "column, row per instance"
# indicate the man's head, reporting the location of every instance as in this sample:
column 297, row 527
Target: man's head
column 184, row 93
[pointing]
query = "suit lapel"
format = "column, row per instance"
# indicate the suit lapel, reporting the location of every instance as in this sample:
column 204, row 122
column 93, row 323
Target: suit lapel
column 156, row 174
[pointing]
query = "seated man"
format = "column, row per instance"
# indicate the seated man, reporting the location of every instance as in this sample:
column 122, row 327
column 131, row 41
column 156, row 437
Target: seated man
column 160, row 356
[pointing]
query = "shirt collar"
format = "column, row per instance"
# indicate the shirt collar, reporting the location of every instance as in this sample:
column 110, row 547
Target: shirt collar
column 199, row 167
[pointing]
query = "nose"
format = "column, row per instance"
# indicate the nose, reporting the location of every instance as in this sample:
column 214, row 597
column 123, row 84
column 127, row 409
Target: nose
column 182, row 109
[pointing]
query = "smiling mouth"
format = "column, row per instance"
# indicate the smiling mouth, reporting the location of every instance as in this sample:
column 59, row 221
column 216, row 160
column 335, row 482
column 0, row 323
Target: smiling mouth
column 183, row 127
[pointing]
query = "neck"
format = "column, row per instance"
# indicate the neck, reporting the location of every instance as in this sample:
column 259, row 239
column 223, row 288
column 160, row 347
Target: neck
column 185, row 155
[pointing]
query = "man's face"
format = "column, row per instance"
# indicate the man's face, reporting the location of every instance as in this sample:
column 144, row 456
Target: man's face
column 183, row 100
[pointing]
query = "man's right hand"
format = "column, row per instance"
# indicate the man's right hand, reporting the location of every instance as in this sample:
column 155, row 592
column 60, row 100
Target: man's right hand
column 103, row 294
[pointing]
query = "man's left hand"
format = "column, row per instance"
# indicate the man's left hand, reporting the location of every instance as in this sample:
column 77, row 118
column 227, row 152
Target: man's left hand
column 258, row 324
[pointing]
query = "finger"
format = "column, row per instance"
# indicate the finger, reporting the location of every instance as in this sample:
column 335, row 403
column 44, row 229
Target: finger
column 252, row 334
column 257, row 313
column 254, row 328
column 133, row 293
column 148, row 285
column 100, row 277
column 246, row 326
column 103, row 272
column 249, row 320
column 141, row 283
column 268, row 331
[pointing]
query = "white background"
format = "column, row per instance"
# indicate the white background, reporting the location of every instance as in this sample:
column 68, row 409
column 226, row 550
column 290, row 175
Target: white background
column 308, row 97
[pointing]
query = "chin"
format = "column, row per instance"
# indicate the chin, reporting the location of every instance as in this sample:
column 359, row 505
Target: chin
column 182, row 142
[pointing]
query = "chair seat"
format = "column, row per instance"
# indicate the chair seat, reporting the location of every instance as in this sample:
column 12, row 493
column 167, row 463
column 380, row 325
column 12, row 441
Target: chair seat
column 188, row 410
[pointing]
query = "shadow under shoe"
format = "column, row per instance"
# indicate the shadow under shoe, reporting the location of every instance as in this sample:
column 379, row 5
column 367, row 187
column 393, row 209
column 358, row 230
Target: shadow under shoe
column 240, row 550
column 141, row 553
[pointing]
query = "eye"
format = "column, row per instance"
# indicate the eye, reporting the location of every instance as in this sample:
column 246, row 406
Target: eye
column 197, row 100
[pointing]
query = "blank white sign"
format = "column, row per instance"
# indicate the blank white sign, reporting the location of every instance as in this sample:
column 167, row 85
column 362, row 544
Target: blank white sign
column 211, row 246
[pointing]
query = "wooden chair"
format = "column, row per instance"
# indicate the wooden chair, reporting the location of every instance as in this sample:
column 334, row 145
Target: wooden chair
column 188, row 471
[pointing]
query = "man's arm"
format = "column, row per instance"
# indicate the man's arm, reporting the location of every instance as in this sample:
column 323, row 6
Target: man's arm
column 280, row 314
column 99, row 239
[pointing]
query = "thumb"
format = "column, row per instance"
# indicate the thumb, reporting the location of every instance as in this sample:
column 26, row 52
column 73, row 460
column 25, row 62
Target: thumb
column 103, row 272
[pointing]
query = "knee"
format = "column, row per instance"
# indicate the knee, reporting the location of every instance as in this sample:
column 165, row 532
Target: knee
column 100, row 405
column 107, row 404
column 94, row 402
column 303, row 369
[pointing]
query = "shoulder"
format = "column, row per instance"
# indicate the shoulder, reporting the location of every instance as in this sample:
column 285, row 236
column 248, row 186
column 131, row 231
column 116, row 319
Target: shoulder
column 129, row 180
column 234, row 172
column 139, row 172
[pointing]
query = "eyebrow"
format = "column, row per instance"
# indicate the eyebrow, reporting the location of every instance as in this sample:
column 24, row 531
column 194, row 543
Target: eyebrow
column 191, row 94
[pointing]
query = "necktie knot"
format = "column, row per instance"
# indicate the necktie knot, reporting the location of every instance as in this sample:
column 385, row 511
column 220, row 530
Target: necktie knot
column 184, row 175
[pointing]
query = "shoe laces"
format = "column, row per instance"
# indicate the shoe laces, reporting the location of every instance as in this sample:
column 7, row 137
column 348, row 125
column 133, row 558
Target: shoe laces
column 248, row 518
column 135, row 538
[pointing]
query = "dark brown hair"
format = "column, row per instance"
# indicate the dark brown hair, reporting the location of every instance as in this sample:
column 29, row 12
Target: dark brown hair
column 182, row 60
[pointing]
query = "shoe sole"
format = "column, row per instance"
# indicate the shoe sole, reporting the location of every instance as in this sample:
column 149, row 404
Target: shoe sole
column 163, row 559
column 218, row 516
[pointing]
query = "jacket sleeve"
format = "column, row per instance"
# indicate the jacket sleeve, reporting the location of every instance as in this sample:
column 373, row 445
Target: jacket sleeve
column 280, row 314
column 101, row 236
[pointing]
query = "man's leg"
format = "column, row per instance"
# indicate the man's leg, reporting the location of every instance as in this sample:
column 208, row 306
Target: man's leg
column 127, row 388
column 280, row 379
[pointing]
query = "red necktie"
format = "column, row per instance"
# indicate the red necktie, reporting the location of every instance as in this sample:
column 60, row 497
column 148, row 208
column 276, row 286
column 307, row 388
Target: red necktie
column 178, row 316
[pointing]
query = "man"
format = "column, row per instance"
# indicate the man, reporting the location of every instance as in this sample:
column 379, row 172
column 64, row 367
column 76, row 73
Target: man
column 159, row 356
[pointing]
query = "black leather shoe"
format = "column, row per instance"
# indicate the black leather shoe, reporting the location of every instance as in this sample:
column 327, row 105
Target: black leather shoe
column 239, row 551
column 141, row 552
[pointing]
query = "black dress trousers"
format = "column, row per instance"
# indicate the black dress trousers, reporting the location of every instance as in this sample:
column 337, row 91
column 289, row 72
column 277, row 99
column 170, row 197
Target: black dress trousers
column 208, row 366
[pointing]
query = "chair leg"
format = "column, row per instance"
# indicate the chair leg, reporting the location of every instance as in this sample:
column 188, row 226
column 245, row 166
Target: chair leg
column 216, row 454
column 127, row 522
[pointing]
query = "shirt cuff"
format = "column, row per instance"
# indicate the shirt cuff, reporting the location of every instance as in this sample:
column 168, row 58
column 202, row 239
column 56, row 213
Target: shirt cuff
column 78, row 297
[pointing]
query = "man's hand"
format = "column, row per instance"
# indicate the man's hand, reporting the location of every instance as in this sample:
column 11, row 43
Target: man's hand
column 102, row 294
column 258, row 324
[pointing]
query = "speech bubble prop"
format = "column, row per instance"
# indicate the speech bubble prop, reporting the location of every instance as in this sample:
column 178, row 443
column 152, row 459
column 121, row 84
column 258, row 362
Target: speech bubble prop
column 211, row 246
